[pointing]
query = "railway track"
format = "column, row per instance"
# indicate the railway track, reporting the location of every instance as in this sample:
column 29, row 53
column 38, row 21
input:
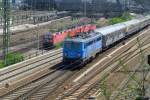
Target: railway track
column 119, row 78
column 136, row 72
column 121, row 89
column 38, row 92
column 32, row 17
column 22, row 34
column 16, row 73
column 44, row 89
column 78, row 91
column 44, row 81
column 97, row 92
column 124, row 78
column 47, row 83
column 124, row 84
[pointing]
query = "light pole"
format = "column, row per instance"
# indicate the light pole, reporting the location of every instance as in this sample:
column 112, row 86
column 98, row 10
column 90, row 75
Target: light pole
column 6, row 28
column 37, row 40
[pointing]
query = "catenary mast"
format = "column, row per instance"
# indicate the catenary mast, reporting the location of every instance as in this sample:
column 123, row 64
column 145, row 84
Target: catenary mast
column 6, row 24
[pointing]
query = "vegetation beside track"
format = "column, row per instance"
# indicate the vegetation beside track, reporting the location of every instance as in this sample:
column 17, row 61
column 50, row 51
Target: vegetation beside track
column 110, row 21
column 125, row 17
column 12, row 58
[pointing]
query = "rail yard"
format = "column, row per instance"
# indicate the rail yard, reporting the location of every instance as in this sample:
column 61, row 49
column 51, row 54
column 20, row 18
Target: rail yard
column 74, row 50
column 27, row 37
column 35, row 79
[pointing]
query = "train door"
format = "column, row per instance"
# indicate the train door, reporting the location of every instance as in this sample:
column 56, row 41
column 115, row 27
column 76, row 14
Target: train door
column 89, row 49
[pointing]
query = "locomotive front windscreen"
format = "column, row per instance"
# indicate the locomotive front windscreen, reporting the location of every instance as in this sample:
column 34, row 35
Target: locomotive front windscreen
column 47, row 38
column 73, row 45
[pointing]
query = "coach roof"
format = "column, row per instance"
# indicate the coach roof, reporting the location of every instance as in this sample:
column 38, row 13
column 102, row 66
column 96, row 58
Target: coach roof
column 110, row 29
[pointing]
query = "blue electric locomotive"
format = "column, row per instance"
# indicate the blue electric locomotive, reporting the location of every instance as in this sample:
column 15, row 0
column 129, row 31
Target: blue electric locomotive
column 82, row 48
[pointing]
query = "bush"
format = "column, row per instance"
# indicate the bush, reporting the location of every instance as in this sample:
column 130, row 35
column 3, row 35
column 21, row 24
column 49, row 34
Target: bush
column 125, row 17
column 12, row 58
column 117, row 20
column 2, row 65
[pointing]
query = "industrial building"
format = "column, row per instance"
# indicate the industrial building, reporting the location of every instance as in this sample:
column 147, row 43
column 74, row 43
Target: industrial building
column 73, row 5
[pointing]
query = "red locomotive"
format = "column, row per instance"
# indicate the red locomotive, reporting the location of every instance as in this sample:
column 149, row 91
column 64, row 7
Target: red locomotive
column 54, row 39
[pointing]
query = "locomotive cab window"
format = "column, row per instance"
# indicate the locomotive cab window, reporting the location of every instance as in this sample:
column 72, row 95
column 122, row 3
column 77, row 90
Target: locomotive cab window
column 98, row 39
column 89, row 43
column 73, row 45
column 48, row 37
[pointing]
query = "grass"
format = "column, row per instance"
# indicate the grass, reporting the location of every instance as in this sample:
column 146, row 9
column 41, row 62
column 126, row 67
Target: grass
column 125, row 17
column 117, row 20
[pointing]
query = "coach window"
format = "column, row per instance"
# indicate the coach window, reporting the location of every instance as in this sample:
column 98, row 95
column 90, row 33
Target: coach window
column 118, row 34
column 107, row 37
column 89, row 43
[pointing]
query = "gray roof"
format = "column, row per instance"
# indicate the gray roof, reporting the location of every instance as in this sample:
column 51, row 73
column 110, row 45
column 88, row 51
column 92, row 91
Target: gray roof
column 132, row 22
column 112, row 28
column 109, row 29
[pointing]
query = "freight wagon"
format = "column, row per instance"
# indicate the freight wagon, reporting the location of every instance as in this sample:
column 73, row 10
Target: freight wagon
column 52, row 39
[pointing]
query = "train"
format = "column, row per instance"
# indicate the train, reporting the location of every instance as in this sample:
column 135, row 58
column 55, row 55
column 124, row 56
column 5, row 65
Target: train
column 85, row 47
column 50, row 40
